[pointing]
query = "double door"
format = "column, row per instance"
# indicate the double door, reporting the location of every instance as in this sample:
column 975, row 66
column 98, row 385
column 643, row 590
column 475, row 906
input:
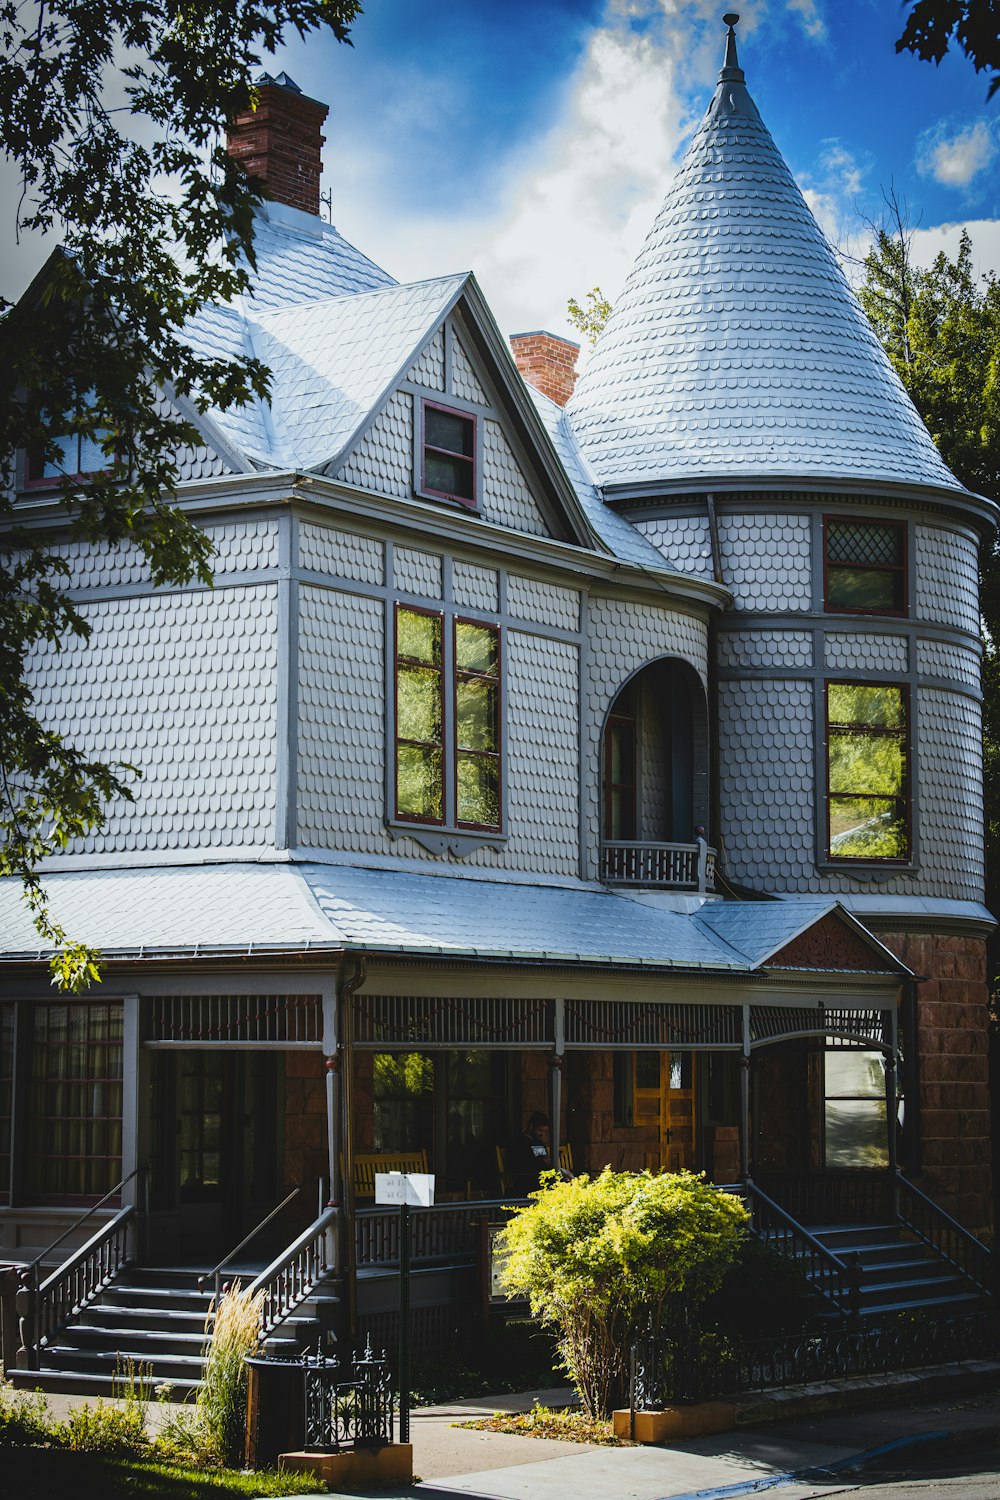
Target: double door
column 665, row 1104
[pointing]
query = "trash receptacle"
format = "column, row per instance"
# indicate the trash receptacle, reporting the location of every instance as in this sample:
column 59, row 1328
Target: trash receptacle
column 275, row 1410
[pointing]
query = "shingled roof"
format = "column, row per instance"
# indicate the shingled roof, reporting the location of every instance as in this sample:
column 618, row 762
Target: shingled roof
column 737, row 350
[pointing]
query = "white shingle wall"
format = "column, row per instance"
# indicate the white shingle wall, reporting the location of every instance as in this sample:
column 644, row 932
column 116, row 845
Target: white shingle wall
column 542, row 715
column 767, row 561
column 464, row 381
column 946, row 577
column 181, row 685
column 240, row 547
column 766, row 783
column 936, row 659
column 684, row 542
column 949, row 730
column 200, row 463
column 416, row 572
column 543, row 602
column 506, row 498
column 383, row 459
column 622, row 637
column 341, row 737
column 852, row 651
column 475, row 587
column 428, row 368
column 342, row 554
column 765, row 648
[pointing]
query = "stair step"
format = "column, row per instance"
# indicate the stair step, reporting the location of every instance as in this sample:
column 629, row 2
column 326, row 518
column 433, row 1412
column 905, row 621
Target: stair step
column 86, row 1383
column 960, row 1301
column 151, row 1341
column 164, row 1366
column 903, row 1291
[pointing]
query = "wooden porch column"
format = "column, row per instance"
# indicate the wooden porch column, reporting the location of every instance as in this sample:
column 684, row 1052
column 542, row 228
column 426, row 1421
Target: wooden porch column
column 745, row 1097
column 891, row 1063
column 555, row 1078
column 332, row 1062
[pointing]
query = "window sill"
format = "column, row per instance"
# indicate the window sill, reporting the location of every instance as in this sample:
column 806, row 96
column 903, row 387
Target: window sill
column 452, row 502
column 867, row 868
column 458, row 842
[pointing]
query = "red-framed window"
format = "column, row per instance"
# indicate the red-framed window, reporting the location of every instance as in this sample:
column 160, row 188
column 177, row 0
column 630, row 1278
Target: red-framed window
column 868, row 771
column 78, row 458
column 460, row 786
column 75, row 1100
column 864, row 566
column 448, row 453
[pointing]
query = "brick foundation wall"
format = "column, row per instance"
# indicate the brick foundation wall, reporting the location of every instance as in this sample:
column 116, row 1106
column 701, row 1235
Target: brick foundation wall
column 952, row 1022
column 546, row 362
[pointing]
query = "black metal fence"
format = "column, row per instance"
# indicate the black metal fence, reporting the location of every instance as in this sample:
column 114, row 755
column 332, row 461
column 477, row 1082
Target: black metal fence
column 698, row 1366
column 344, row 1410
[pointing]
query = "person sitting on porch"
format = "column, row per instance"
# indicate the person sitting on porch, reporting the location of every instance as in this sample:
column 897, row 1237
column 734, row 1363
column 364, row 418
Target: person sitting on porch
column 531, row 1155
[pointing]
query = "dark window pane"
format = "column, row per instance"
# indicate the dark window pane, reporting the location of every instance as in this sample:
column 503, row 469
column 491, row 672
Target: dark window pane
column 419, row 786
column 418, row 704
column 861, row 589
column 449, row 476
column 446, row 429
column 476, row 714
column 477, row 648
column 477, row 790
column 419, row 636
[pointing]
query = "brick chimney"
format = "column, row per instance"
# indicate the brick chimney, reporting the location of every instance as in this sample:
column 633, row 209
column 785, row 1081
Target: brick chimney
column 280, row 142
column 546, row 362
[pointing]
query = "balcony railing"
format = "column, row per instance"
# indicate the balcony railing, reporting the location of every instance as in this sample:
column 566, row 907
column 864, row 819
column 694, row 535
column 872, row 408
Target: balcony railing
column 671, row 867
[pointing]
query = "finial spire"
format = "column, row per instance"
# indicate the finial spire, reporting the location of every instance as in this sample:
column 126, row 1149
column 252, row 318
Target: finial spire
column 731, row 70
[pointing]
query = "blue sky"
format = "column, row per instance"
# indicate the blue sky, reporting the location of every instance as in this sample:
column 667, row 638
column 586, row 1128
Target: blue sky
column 532, row 140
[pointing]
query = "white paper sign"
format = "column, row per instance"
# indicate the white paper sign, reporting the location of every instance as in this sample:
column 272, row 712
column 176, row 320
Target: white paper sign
column 413, row 1188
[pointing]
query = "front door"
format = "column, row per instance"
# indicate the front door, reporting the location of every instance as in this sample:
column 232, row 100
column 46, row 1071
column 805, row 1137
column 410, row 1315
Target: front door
column 664, row 1102
column 215, row 1159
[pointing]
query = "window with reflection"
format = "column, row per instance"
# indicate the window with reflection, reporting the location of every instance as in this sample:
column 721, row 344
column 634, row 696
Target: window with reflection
column 449, row 454
column 855, row 1128
column 868, row 771
column 457, row 682
column 865, row 566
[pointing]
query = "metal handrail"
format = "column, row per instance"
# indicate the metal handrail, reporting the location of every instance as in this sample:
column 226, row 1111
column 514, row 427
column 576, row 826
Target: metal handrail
column 78, row 1257
column 216, row 1273
column 30, row 1269
column 302, row 1285
column 842, row 1270
column 975, row 1249
column 71, row 1286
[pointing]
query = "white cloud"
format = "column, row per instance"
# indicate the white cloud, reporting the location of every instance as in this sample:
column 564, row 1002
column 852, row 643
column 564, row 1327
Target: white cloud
column 984, row 234
column 810, row 17
column 955, row 158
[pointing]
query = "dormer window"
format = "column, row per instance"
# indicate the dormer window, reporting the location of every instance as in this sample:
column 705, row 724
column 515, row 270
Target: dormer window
column 865, row 566
column 448, row 454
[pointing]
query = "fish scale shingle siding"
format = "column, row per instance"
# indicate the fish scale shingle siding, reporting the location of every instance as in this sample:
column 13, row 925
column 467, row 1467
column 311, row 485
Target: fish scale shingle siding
column 852, row 651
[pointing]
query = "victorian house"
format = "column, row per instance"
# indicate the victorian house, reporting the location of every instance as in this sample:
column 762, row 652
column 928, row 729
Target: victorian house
column 611, row 751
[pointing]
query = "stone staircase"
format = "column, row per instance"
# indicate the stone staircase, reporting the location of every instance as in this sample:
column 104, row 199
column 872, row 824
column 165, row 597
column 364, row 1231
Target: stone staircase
column 155, row 1322
column 898, row 1273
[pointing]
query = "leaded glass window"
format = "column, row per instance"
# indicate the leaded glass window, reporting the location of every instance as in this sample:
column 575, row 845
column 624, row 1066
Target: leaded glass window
column 868, row 771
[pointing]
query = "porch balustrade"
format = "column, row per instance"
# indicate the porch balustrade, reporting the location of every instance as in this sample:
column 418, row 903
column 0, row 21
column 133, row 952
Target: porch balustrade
column 448, row 1232
column 296, row 1273
column 678, row 867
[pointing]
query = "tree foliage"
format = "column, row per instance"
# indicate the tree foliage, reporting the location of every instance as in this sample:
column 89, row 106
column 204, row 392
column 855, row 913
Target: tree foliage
column 597, row 1256
column 590, row 318
column 973, row 24
column 112, row 115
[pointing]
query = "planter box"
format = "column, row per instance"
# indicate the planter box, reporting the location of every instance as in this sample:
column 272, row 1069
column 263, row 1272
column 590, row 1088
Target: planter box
column 676, row 1422
column 355, row 1468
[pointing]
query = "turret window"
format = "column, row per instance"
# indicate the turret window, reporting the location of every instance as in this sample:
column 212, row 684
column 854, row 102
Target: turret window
column 868, row 771
column 865, row 566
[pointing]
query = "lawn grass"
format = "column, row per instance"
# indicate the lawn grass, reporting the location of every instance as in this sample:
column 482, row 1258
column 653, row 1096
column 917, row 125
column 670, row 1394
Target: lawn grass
column 30, row 1473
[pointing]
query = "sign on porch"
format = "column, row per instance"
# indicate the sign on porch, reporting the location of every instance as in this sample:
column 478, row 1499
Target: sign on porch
column 415, row 1189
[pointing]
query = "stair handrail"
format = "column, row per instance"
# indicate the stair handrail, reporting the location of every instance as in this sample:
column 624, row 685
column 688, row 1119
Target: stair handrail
column 215, row 1275
column 844, row 1274
column 294, row 1274
column 977, row 1261
column 43, row 1308
column 31, row 1269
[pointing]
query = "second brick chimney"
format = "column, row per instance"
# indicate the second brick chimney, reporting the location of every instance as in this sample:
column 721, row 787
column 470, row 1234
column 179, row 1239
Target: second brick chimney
column 546, row 362
column 281, row 142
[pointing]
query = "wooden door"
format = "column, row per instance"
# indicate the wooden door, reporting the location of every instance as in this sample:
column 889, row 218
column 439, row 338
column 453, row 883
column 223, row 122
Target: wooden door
column 664, row 1103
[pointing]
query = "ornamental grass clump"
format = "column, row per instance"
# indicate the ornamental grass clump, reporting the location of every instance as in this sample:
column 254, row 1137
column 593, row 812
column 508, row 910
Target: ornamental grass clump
column 599, row 1258
column 222, row 1396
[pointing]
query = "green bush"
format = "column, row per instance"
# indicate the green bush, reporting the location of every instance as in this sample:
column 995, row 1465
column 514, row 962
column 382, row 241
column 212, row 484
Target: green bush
column 598, row 1257
column 24, row 1417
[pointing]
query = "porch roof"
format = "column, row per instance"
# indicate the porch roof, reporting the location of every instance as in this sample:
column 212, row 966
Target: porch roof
column 241, row 909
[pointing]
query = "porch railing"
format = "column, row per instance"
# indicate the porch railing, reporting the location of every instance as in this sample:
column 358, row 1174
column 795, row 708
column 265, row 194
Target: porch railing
column 678, row 867
column 930, row 1223
column 294, row 1275
column 449, row 1232
column 844, row 1197
column 43, row 1308
column 836, row 1280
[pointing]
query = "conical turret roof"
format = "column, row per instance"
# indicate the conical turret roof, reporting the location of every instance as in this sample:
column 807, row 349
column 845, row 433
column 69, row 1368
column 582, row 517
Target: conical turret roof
column 737, row 350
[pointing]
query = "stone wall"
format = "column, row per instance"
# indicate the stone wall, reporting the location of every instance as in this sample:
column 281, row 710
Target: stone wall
column 952, row 1019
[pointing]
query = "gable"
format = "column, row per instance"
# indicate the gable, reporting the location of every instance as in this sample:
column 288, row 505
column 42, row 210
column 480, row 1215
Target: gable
column 831, row 944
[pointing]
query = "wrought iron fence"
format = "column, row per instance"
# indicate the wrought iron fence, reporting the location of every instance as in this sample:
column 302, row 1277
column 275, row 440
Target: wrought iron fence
column 347, row 1413
column 699, row 1366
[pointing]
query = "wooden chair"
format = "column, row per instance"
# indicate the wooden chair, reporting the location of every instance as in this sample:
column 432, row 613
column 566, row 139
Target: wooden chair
column 367, row 1164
